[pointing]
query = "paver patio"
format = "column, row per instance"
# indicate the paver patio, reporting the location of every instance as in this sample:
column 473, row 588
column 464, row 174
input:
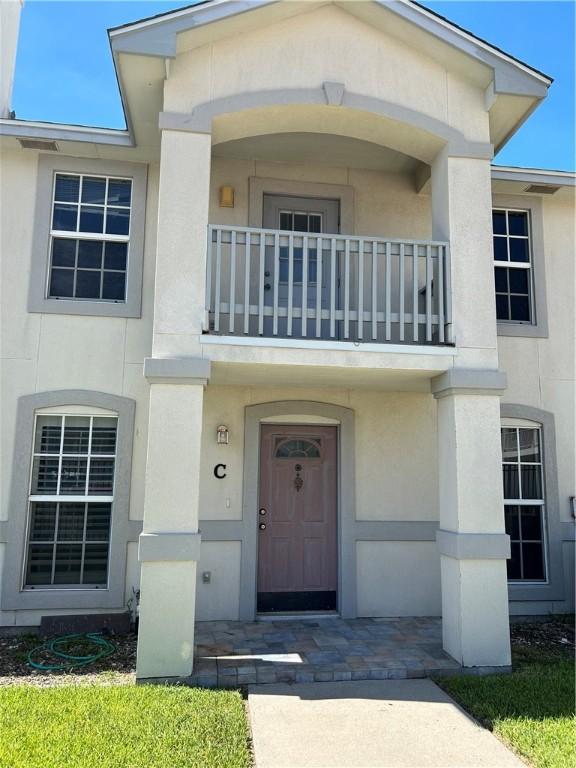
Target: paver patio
column 231, row 653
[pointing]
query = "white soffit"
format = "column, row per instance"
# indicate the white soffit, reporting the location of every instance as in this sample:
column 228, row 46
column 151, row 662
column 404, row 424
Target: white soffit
column 507, row 180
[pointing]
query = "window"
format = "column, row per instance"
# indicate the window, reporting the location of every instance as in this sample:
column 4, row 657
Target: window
column 88, row 245
column 89, row 236
column 512, row 265
column 299, row 221
column 524, row 502
column 293, row 449
column 70, row 502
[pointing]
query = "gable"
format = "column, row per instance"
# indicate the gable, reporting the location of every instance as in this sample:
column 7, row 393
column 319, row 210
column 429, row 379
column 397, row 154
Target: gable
column 509, row 89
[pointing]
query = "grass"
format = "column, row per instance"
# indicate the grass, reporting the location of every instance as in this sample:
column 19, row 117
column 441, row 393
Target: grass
column 531, row 710
column 122, row 727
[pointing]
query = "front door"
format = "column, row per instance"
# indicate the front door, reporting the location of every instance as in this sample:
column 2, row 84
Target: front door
column 297, row 520
column 306, row 215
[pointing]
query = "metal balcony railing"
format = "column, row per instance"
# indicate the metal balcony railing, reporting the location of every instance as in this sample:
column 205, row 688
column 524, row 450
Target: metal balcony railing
column 277, row 284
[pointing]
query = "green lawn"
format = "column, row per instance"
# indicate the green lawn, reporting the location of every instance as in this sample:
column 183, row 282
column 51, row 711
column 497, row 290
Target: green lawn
column 122, row 726
column 531, row 710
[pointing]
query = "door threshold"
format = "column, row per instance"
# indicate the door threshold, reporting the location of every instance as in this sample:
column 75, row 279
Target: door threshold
column 296, row 615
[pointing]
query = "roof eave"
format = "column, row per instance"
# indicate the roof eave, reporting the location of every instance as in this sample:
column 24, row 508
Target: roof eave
column 30, row 129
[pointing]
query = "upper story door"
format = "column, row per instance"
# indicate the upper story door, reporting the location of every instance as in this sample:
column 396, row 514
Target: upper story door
column 311, row 215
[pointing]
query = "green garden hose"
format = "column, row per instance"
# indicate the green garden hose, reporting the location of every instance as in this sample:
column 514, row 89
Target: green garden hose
column 67, row 660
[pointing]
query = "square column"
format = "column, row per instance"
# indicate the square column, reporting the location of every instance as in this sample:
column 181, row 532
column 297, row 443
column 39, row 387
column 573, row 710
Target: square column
column 170, row 543
column 180, row 282
column 472, row 540
column 462, row 215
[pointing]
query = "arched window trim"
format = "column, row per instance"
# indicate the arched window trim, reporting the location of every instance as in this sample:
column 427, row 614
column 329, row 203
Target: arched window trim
column 554, row 588
column 14, row 596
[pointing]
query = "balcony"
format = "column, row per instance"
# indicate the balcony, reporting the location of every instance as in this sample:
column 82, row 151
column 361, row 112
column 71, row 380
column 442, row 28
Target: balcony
column 277, row 284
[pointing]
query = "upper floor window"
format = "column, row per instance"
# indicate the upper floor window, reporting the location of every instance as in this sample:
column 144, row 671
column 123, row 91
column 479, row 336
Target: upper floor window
column 89, row 236
column 70, row 501
column 512, row 265
column 88, row 242
column 524, row 501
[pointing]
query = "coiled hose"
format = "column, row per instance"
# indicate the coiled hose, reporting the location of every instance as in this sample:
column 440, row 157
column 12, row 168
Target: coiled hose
column 68, row 660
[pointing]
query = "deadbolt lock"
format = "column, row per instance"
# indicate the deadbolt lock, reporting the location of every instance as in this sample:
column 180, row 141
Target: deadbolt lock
column 262, row 526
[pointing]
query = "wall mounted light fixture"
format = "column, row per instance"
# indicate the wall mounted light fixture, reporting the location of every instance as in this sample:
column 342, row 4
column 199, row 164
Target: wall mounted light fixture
column 226, row 197
column 222, row 435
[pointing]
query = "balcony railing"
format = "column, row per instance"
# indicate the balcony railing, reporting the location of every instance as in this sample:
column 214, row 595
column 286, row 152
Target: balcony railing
column 263, row 282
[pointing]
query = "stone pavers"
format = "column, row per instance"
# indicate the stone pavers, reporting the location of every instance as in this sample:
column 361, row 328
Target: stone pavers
column 232, row 653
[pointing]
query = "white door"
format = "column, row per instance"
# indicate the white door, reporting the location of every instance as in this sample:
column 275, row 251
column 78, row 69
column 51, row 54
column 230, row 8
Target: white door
column 308, row 215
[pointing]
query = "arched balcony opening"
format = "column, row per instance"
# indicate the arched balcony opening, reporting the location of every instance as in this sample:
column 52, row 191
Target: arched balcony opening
column 321, row 228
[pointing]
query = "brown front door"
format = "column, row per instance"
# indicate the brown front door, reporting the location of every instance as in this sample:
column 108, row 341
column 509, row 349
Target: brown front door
column 297, row 541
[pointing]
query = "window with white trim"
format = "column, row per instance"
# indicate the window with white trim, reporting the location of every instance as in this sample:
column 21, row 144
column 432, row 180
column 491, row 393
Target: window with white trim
column 524, row 505
column 299, row 221
column 512, row 265
column 89, row 237
column 70, row 501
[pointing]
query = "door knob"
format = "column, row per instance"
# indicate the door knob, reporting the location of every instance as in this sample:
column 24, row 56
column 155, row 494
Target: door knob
column 267, row 286
column 262, row 526
column 262, row 511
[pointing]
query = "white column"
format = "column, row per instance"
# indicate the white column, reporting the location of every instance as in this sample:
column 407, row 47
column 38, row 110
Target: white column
column 180, row 285
column 472, row 540
column 462, row 215
column 170, row 542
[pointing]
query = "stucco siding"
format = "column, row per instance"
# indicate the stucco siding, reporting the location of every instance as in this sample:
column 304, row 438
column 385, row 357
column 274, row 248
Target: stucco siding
column 541, row 371
column 396, row 480
column 329, row 45
column 45, row 352
column 541, row 374
column 398, row 578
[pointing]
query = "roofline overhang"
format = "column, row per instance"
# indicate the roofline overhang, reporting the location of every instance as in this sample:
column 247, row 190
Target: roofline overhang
column 34, row 129
column 156, row 36
column 28, row 129
column 534, row 176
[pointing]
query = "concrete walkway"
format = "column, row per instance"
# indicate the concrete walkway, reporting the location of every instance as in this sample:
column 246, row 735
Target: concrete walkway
column 387, row 723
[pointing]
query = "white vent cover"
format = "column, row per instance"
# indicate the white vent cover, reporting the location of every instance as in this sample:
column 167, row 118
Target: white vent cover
column 38, row 144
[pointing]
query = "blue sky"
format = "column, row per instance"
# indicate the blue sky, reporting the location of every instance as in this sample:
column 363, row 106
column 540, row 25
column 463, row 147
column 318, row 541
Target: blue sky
column 64, row 70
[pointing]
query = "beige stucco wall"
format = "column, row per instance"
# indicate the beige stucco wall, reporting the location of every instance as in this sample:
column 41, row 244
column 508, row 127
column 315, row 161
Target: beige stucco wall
column 396, row 480
column 385, row 204
column 42, row 352
column 327, row 44
column 398, row 578
column 396, row 472
column 541, row 371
